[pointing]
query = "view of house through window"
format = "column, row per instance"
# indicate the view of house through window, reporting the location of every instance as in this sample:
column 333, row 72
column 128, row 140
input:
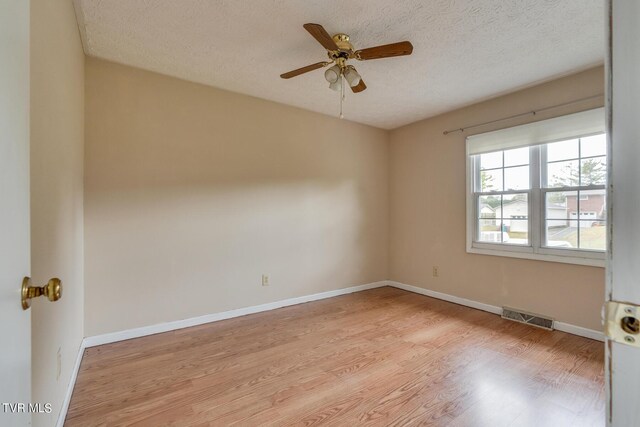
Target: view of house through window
column 556, row 190
column 576, row 218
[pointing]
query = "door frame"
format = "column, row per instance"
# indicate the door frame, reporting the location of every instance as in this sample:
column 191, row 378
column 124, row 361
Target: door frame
column 622, row 70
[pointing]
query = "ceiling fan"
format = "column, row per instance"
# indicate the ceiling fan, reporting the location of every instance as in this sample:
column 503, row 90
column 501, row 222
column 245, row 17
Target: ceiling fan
column 340, row 50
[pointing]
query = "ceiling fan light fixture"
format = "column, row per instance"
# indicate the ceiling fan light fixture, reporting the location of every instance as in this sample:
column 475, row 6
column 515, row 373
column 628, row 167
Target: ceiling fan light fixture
column 340, row 51
column 352, row 76
column 332, row 75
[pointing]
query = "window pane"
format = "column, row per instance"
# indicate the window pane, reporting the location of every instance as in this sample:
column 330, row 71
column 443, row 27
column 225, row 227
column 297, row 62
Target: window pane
column 562, row 174
column 498, row 208
column 491, row 180
column 514, row 206
column 489, row 230
column 516, row 178
column 491, row 160
column 558, row 204
column 584, row 231
column 593, row 235
column 559, row 235
column 487, row 206
column 593, row 205
column 593, row 171
column 517, row 231
column 593, row 146
column 517, row 157
column 563, row 150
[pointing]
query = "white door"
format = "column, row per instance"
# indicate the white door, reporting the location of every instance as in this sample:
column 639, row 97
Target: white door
column 15, row 341
column 623, row 273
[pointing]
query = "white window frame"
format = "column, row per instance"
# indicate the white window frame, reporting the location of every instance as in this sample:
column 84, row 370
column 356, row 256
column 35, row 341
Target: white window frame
column 536, row 199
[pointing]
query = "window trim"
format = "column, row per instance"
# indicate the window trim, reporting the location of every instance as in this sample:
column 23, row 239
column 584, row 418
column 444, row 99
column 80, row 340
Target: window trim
column 535, row 250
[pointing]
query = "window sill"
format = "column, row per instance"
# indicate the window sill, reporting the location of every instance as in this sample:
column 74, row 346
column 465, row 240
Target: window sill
column 595, row 259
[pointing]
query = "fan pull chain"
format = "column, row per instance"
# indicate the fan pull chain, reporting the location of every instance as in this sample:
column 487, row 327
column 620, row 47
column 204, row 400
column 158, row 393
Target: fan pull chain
column 341, row 96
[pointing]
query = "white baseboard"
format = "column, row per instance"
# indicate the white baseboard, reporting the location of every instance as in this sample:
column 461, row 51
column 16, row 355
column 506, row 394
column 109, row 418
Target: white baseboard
column 208, row 318
column 560, row 326
column 446, row 297
column 72, row 382
column 579, row 330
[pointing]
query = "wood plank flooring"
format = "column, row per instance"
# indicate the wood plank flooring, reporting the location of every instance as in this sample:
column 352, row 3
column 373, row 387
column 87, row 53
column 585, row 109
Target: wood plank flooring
column 383, row 357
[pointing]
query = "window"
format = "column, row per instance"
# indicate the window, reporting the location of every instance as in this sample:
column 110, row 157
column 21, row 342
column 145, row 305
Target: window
column 538, row 190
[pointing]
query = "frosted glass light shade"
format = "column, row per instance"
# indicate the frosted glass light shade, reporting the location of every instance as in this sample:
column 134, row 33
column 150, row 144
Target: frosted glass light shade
column 352, row 76
column 332, row 74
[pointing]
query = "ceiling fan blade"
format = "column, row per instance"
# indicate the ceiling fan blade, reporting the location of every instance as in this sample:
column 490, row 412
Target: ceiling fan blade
column 385, row 51
column 304, row 70
column 319, row 33
column 359, row 87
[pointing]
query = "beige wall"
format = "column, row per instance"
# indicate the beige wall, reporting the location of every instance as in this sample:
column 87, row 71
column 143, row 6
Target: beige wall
column 427, row 213
column 192, row 193
column 57, row 138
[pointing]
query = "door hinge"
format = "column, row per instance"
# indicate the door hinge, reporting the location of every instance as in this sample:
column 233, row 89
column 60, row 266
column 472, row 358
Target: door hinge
column 622, row 322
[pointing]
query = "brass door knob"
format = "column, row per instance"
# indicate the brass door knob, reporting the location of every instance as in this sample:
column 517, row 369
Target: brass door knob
column 52, row 290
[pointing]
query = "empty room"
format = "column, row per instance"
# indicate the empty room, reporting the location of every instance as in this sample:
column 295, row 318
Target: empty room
column 272, row 213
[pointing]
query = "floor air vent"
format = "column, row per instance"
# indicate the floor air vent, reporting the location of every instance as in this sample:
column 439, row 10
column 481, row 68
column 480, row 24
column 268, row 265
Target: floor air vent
column 528, row 318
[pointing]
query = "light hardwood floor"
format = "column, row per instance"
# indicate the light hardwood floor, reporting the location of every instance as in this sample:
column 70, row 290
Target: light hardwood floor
column 383, row 357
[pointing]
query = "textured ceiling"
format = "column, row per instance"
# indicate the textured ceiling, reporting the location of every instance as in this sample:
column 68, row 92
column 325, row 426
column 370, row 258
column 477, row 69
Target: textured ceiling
column 464, row 50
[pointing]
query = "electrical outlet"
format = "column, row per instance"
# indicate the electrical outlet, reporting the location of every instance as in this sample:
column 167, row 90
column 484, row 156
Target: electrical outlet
column 265, row 280
column 58, row 363
column 436, row 273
